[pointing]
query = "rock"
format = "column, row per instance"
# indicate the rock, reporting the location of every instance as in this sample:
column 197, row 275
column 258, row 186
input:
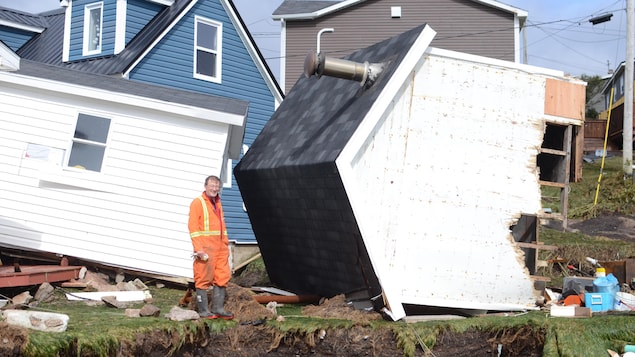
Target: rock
column 36, row 320
column 133, row 312
column 179, row 314
column 45, row 292
column 112, row 301
column 150, row 310
column 22, row 299
column 127, row 286
column 139, row 284
column 82, row 272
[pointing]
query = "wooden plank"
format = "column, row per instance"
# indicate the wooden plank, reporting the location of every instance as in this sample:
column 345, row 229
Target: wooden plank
column 553, row 152
column 552, row 184
column 629, row 268
column 565, row 99
column 35, row 275
column 536, row 246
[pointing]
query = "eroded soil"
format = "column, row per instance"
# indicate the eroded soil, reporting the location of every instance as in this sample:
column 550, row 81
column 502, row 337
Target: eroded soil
column 251, row 337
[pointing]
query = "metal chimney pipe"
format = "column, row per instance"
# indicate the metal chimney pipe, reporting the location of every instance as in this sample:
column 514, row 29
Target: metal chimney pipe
column 317, row 64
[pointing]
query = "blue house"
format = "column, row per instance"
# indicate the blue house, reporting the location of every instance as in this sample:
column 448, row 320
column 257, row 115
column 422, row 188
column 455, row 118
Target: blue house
column 187, row 70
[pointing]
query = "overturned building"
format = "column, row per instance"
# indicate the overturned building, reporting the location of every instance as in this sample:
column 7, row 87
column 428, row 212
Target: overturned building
column 414, row 183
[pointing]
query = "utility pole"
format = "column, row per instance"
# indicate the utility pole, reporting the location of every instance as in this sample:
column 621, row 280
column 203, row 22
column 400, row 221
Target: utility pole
column 627, row 133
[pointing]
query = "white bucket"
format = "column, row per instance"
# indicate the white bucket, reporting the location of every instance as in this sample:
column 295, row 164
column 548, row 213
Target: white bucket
column 624, row 301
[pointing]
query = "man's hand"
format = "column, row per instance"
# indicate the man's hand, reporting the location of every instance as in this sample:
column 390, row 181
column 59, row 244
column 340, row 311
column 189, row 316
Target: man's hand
column 201, row 255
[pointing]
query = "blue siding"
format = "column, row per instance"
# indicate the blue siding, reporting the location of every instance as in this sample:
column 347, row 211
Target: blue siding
column 77, row 29
column 14, row 38
column 138, row 14
column 170, row 63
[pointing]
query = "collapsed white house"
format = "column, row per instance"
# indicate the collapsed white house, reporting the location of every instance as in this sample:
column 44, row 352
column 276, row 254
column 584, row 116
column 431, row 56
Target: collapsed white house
column 415, row 184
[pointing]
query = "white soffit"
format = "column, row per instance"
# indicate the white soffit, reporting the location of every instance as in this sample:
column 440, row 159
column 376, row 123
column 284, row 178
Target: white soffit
column 9, row 60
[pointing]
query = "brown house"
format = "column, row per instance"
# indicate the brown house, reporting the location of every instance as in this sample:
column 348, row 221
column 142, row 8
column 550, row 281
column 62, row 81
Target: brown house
column 480, row 27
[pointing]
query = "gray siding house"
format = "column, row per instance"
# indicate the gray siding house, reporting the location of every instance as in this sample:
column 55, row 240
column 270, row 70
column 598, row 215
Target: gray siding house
column 480, row 27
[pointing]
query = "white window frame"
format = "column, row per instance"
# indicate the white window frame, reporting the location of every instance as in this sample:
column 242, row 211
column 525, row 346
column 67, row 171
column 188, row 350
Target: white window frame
column 218, row 51
column 89, row 25
column 89, row 142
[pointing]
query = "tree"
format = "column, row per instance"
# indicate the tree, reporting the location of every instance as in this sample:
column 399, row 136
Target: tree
column 594, row 86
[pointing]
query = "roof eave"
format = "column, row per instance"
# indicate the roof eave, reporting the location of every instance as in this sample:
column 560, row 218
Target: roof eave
column 19, row 26
column 315, row 14
column 75, row 90
column 521, row 14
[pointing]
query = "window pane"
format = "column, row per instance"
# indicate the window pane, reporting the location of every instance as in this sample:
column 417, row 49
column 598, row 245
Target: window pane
column 95, row 29
column 89, row 157
column 206, row 36
column 206, row 63
column 92, row 128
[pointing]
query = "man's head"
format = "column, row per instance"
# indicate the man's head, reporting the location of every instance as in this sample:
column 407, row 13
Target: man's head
column 212, row 186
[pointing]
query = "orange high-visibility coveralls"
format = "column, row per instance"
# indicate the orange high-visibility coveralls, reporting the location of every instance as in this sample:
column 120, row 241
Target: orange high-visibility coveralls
column 209, row 234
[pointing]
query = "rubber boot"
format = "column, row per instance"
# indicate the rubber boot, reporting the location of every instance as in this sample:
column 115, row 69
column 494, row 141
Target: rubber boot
column 201, row 304
column 218, row 300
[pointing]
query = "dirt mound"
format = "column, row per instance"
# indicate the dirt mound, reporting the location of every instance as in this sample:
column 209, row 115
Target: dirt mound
column 616, row 226
column 12, row 339
column 337, row 308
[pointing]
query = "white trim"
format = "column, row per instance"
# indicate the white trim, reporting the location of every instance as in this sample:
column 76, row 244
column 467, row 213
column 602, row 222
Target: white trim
column 78, row 91
column 496, row 62
column 251, row 48
column 88, row 8
column 343, row 162
column 158, row 39
column 499, row 5
column 120, row 26
column 218, row 51
column 283, row 55
column 344, row 4
column 517, row 45
column 167, row 3
column 9, row 60
column 322, row 12
column 66, row 44
column 20, row 26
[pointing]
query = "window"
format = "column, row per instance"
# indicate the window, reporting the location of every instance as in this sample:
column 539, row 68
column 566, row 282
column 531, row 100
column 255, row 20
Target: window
column 89, row 142
column 207, row 49
column 92, row 28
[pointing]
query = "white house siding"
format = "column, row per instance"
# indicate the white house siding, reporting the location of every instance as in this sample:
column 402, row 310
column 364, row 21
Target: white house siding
column 134, row 213
column 459, row 142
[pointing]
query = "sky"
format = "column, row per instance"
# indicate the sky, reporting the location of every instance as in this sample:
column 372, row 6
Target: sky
column 559, row 35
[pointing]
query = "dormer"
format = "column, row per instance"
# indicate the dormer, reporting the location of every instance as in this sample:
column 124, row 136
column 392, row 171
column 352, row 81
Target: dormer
column 17, row 28
column 101, row 28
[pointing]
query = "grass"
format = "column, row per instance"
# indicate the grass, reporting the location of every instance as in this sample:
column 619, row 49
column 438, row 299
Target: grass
column 101, row 330
column 615, row 193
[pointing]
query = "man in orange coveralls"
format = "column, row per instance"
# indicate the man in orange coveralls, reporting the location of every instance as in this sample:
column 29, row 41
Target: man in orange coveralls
column 211, row 250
